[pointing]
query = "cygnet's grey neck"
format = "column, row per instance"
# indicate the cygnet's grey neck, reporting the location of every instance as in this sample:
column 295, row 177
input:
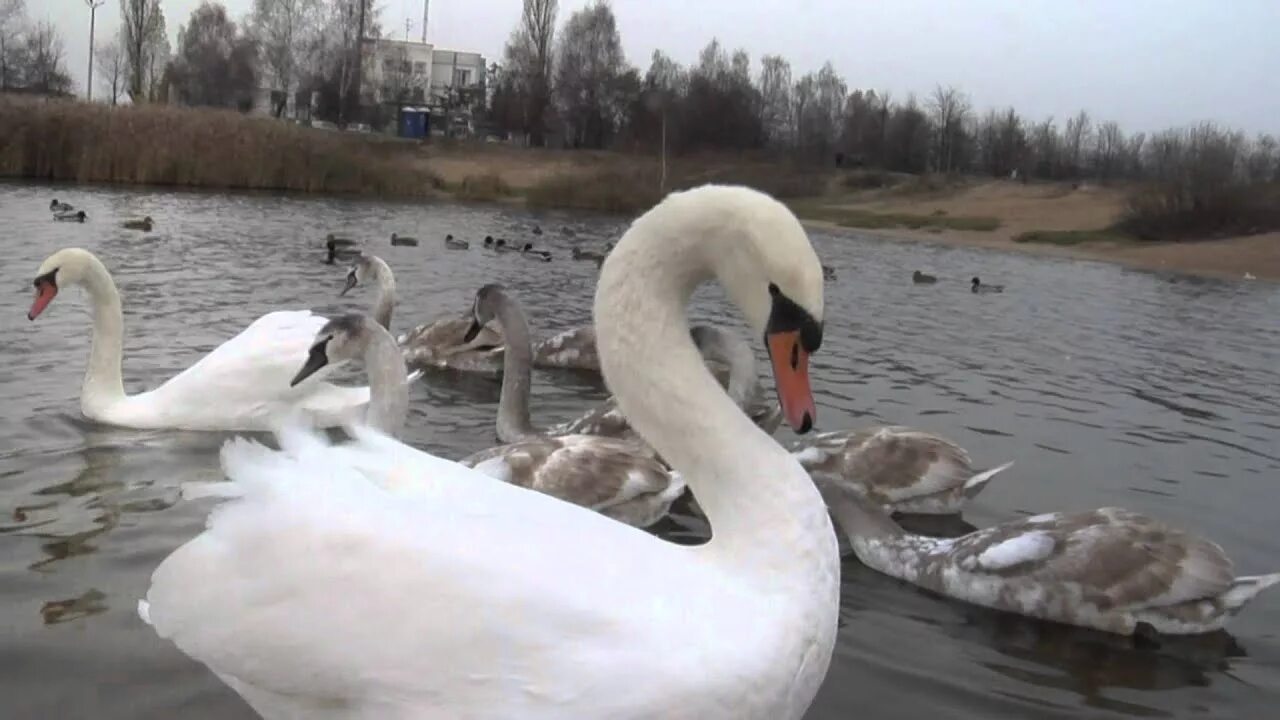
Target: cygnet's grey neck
column 388, row 381
column 386, row 291
column 726, row 347
column 513, row 404
column 857, row 515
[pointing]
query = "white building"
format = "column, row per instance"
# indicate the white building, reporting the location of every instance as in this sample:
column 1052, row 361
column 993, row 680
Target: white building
column 401, row 72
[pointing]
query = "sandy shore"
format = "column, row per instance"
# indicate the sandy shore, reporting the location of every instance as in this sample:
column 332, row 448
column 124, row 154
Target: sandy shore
column 1024, row 208
column 1230, row 258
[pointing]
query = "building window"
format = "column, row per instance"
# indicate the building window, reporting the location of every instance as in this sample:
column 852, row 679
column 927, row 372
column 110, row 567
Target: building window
column 420, row 68
column 461, row 77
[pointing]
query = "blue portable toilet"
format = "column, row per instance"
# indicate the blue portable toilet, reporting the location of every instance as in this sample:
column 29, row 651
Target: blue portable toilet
column 413, row 122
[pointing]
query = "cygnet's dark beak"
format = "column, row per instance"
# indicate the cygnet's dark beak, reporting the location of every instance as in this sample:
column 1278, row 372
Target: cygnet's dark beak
column 316, row 359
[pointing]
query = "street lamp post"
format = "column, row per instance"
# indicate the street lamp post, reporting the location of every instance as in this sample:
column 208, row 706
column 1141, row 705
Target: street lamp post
column 93, row 16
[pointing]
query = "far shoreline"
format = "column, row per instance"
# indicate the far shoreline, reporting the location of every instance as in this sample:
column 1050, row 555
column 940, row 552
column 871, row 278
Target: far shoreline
column 1201, row 258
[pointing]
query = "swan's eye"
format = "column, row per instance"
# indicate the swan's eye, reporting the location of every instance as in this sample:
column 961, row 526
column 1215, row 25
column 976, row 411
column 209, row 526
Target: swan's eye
column 50, row 277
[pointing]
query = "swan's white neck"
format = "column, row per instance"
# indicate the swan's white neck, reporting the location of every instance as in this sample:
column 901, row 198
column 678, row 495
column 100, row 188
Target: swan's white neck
column 388, row 383
column 386, row 292
column 767, row 519
column 103, row 384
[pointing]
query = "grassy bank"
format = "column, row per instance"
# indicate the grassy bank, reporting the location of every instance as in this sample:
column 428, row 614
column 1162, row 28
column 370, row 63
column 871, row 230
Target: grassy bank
column 161, row 145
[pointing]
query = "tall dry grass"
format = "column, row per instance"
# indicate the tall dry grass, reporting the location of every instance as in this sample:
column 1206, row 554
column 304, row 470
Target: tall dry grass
column 189, row 147
column 629, row 185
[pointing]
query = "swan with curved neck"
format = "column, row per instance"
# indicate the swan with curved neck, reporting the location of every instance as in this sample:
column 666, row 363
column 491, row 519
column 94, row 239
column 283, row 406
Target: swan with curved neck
column 241, row 385
column 480, row 607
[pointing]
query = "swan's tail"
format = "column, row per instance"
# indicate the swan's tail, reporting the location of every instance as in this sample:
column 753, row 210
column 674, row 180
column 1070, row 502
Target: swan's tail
column 1245, row 588
column 975, row 484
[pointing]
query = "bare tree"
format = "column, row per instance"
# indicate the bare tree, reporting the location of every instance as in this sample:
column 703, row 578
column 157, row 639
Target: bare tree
column 111, row 69
column 950, row 109
column 907, row 141
column 529, row 60
column 13, row 15
column 775, row 98
column 721, row 106
column 1074, row 142
column 589, row 67
column 1108, row 150
column 828, row 107
column 215, row 64
column 285, row 32
column 1263, row 162
column 803, row 97
column 44, row 70
column 142, row 32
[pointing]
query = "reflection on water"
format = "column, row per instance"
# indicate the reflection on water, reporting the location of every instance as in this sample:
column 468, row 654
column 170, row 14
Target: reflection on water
column 1107, row 386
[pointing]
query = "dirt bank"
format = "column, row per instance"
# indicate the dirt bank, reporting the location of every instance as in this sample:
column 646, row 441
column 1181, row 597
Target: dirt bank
column 1060, row 207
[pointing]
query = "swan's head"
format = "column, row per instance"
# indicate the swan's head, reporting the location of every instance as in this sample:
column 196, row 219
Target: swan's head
column 488, row 239
column 528, row 247
column 341, row 339
column 772, row 273
column 485, row 309
column 54, row 204
column 500, row 242
column 68, row 266
column 363, row 270
column 976, row 282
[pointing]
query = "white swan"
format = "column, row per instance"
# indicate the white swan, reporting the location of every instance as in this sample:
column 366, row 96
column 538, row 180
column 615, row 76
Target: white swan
column 1108, row 569
column 316, row 594
column 905, row 470
column 242, row 385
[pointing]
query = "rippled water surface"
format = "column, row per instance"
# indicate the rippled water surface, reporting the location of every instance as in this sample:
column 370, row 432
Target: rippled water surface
column 1107, row 387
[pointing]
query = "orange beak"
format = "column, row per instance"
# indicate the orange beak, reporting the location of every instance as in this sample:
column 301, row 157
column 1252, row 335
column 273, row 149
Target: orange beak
column 791, row 375
column 45, row 293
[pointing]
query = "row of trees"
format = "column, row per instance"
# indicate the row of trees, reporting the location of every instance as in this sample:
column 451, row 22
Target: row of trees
column 293, row 46
column 581, row 85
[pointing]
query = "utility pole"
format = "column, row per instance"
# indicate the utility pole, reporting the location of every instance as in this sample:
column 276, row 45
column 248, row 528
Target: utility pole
column 408, row 25
column 360, row 60
column 93, row 16
column 426, row 5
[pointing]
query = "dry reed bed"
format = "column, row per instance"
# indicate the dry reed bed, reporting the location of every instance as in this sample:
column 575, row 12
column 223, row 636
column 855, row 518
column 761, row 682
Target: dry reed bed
column 161, row 145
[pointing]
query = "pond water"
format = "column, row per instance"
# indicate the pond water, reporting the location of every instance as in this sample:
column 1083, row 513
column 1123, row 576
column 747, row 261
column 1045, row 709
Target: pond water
column 1107, row 386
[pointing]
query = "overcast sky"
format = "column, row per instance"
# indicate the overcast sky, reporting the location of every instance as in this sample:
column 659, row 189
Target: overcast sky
column 1147, row 64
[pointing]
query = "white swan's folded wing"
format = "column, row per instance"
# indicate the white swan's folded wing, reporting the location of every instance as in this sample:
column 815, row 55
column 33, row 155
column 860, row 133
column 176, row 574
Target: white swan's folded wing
column 251, row 372
column 316, row 583
column 267, row 353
